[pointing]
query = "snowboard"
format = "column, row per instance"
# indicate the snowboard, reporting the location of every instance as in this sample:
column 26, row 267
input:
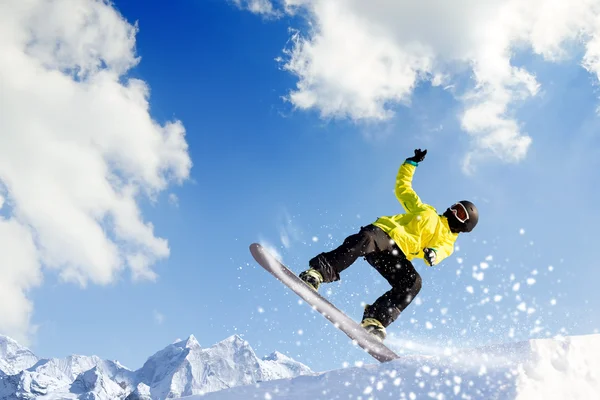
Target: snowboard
column 339, row 319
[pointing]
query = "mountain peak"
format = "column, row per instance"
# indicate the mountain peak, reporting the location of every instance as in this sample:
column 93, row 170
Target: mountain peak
column 236, row 340
column 277, row 356
column 192, row 342
column 189, row 343
column 9, row 345
column 14, row 357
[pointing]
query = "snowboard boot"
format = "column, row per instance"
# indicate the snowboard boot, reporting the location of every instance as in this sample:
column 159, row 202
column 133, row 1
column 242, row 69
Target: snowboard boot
column 312, row 278
column 374, row 327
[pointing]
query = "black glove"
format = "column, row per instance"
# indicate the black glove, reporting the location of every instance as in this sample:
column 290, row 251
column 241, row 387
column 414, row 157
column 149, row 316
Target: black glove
column 429, row 256
column 418, row 157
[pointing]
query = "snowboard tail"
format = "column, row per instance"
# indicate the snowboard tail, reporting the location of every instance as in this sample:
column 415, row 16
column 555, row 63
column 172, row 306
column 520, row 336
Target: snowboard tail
column 339, row 319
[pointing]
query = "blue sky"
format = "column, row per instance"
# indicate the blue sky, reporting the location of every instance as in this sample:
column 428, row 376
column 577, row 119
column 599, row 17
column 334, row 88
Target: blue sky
column 263, row 169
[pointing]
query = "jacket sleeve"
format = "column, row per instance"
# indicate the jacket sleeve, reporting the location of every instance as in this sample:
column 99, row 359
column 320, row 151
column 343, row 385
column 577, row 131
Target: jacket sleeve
column 443, row 249
column 404, row 191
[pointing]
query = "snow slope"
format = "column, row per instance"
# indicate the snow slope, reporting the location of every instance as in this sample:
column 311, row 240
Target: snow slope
column 180, row 369
column 560, row 368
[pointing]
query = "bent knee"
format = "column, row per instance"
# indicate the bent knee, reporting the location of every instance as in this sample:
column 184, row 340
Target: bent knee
column 417, row 285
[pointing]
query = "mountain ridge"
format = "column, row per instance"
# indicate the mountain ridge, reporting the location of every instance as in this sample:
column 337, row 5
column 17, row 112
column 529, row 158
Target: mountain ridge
column 182, row 368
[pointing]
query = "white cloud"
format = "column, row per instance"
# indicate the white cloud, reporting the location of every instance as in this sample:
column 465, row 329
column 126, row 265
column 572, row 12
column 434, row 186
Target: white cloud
column 173, row 200
column 262, row 7
column 159, row 317
column 360, row 58
column 78, row 148
column 19, row 272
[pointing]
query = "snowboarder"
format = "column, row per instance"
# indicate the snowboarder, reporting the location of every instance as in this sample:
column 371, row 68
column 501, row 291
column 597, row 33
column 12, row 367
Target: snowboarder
column 391, row 242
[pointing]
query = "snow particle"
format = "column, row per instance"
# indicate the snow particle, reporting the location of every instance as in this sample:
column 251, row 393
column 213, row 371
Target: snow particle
column 522, row 231
column 315, row 239
column 470, row 289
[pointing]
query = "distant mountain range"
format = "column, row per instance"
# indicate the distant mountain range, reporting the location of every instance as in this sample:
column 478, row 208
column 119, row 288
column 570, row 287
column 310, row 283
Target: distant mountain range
column 181, row 369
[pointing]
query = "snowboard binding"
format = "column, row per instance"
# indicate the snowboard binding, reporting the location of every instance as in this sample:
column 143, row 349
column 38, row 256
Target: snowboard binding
column 312, row 277
column 374, row 327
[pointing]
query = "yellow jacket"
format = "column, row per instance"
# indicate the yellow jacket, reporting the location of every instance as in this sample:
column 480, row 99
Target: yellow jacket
column 421, row 227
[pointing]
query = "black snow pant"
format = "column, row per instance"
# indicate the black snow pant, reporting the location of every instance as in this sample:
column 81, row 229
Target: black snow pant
column 385, row 256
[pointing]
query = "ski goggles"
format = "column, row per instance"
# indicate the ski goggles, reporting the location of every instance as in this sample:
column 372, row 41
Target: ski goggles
column 460, row 212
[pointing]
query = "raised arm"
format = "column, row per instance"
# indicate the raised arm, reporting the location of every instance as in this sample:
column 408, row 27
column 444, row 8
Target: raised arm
column 404, row 192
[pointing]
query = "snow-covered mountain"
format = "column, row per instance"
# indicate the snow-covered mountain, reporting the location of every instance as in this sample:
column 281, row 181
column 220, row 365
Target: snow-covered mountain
column 184, row 368
column 14, row 357
column 74, row 374
column 548, row 369
column 180, row 369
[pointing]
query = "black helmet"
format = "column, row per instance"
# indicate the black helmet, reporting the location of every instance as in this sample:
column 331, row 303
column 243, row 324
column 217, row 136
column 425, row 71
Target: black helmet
column 458, row 221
